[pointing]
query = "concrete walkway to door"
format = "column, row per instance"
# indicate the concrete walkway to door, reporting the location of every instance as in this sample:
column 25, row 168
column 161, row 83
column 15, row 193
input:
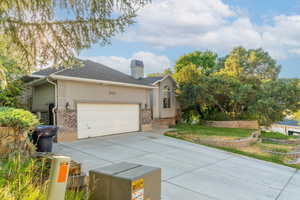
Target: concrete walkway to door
column 190, row 171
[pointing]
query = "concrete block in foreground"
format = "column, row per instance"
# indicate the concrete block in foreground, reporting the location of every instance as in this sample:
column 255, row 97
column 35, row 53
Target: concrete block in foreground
column 125, row 181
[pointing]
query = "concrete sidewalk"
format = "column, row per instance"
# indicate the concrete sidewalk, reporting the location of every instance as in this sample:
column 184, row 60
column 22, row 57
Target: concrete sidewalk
column 190, row 171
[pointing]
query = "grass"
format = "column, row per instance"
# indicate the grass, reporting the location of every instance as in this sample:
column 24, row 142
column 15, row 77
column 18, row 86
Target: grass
column 26, row 178
column 266, row 157
column 212, row 131
column 275, row 135
column 280, row 148
column 22, row 178
column 257, row 150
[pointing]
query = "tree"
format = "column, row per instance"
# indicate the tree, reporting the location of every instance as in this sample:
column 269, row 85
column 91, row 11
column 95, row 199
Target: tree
column 51, row 32
column 276, row 99
column 12, row 70
column 206, row 61
column 11, row 65
column 167, row 71
column 14, row 85
column 246, row 87
column 248, row 64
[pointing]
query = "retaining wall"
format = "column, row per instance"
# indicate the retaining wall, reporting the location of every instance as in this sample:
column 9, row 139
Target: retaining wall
column 234, row 124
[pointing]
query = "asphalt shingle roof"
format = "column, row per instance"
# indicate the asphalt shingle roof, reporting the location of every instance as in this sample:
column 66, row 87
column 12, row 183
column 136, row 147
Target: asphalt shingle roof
column 151, row 80
column 97, row 71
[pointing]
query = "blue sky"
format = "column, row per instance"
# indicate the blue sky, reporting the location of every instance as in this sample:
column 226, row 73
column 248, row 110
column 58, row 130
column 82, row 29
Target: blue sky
column 167, row 29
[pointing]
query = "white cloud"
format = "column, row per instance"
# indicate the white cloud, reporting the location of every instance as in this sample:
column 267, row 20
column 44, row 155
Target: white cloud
column 211, row 24
column 153, row 63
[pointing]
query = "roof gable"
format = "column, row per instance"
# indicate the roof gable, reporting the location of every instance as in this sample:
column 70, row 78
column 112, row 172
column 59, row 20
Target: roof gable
column 94, row 71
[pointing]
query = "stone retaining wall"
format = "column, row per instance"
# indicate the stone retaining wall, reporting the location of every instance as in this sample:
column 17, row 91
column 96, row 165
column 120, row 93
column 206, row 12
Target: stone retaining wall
column 230, row 143
column 234, row 124
column 297, row 141
column 291, row 155
column 13, row 140
column 244, row 142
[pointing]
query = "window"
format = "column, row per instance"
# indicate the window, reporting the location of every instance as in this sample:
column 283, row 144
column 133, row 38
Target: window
column 166, row 97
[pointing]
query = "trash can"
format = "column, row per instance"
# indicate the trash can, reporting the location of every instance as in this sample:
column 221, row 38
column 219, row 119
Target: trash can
column 125, row 181
column 42, row 137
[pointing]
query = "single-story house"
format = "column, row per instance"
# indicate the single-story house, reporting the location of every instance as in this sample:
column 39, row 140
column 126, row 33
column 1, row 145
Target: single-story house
column 95, row 100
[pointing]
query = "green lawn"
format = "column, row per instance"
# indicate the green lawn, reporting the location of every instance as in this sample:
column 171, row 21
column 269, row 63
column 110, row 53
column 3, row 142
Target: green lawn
column 275, row 135
column 212, row 131
column 192, row 133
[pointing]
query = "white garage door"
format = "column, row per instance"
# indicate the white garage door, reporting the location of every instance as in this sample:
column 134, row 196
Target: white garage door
column 106, row 119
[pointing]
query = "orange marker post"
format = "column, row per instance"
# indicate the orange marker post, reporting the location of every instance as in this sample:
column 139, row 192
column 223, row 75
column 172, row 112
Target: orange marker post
column 58, row 177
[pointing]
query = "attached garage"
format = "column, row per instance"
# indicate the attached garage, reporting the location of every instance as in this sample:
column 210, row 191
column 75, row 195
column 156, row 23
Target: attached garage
column 106, row 119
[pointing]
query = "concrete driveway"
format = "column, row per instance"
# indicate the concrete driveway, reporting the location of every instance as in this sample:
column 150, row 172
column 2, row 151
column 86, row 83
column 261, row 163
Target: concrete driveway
column 190, row 171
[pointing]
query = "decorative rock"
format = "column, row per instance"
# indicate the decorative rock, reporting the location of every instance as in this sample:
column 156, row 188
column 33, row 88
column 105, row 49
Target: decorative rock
column 13, row 140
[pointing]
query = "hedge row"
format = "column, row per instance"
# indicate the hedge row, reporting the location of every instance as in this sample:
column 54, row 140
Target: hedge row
column 17, row 118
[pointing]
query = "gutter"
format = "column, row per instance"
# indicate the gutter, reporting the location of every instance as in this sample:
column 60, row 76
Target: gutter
column 60, row 77
column 55, row 100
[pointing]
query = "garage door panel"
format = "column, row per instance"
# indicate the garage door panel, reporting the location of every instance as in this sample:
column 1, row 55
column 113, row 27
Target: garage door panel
column 106, row 119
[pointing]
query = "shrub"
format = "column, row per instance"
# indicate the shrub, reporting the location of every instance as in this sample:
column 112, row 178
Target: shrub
column 17, row 118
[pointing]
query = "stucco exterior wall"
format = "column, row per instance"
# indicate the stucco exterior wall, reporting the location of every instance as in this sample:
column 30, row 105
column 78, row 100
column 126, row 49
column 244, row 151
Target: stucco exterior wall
column 72, row 92
column 167, row 112
column 42, row 96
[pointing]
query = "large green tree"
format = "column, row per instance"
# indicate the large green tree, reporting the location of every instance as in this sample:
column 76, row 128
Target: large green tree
column 206, row 61
column 244, row 85
column 53, row 31
column 276, row 99
column 248, row 64
column 12, row 69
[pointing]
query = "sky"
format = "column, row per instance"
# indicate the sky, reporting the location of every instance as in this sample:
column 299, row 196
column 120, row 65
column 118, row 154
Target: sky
column 167, row 29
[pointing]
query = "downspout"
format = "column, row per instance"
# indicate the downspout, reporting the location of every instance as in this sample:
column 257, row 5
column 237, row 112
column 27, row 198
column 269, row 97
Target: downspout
column 55, row 100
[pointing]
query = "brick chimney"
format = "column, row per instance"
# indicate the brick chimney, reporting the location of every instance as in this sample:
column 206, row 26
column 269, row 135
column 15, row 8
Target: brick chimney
column 137, row 69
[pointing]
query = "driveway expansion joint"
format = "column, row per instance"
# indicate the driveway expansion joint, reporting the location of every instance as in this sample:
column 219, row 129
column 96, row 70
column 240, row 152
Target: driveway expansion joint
column 210, row 197
column 288, row 182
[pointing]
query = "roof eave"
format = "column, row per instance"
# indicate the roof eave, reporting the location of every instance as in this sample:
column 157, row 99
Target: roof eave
column 36, row 76
column 36, row 82
column 165, row 77
column 61, row 77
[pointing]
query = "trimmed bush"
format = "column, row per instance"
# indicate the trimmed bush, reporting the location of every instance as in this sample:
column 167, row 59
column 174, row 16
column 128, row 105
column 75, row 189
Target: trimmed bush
column 17, row 118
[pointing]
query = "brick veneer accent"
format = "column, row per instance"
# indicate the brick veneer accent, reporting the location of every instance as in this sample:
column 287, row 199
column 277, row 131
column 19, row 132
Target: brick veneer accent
column 67, row 118
column 234, row 124
column 146, row 116
column 67, row 122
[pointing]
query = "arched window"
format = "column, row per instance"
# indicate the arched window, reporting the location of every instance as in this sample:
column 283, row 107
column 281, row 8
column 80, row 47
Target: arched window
column 166, row 97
